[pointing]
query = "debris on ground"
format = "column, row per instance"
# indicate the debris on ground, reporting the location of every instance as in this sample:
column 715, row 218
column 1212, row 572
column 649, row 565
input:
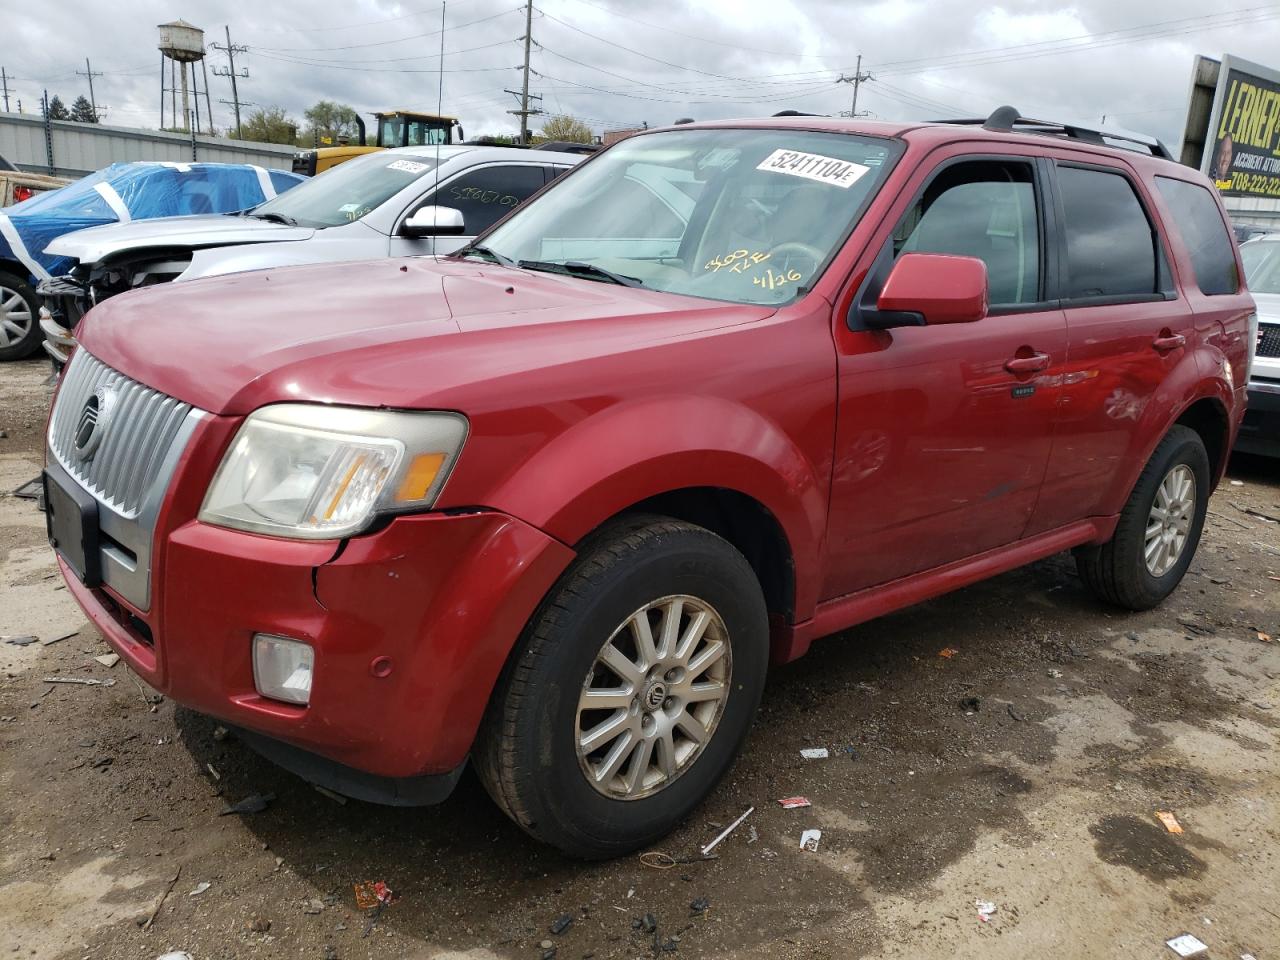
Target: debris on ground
column 985, row 910
column 326, row 792
column 971, row 704
column 259, row 925
column 560, row 924
column 200, row 888
column 254, row 803
column 20, row 641
column 313, row 907
column 809, row 840
column 699, row 906
column 220, row 733
column 84, row 681
column 648, row 923
column 1054, row 674
column 108, row 659
column 155, row 911
column 947, row 652
column 1265, row 637
column 1186, row 945
column 175, row 955
column 1169, row 820
column 58, row 638
column 330, row 952
column 374, row 896
column 791, row 803
column 815, row 753
column 726, row 831
column 1016, row 714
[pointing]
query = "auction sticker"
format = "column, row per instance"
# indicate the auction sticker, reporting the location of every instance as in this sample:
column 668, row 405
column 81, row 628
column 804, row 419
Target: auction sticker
column 408, row 166
column 814, row 166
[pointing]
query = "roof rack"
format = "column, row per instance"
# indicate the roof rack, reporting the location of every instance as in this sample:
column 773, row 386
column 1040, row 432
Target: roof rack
column 1007, row 119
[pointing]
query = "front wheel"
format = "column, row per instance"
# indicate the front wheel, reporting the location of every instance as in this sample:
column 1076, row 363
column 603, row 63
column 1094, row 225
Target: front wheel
column 1159, row 527
column 20, row 333
column 631, row 691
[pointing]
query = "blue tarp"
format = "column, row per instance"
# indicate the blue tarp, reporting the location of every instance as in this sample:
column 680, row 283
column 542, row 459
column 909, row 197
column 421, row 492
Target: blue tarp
column 130, row 191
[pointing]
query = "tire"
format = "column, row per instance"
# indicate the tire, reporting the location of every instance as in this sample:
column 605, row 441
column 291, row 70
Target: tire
column 1118, row 571
column 15, row 345
column 527, row 752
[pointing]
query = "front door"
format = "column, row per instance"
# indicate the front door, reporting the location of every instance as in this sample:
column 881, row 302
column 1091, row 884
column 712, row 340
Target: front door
column 944, row 432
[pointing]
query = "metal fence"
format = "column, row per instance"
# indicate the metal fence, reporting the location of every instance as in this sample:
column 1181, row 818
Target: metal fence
column 70, row 149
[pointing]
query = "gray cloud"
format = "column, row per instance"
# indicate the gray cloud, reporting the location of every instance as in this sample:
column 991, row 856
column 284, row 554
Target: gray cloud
column 600, row 59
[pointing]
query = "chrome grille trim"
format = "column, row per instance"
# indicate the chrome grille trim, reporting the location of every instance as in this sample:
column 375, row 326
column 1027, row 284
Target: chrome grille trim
column 140, row 431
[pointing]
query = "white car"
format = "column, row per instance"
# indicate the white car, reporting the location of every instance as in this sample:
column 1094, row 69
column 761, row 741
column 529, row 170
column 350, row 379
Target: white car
column 402, row 202
column 1260, row 431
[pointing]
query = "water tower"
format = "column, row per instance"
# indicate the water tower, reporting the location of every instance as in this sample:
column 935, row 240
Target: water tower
column 182, row 45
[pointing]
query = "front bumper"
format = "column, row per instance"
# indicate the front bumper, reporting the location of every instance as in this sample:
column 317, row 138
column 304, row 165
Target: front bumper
column 1260, row 429
column 443, row 597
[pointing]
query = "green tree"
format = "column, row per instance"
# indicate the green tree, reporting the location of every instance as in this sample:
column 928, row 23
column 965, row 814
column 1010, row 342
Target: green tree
column 58, row 110
column 565, row 128
column 269, row 125
column 82, row 111
column 328, row 121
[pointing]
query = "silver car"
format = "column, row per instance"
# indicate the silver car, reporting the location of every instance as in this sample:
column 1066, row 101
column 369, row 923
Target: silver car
column 402, row 202
column 1260, row 430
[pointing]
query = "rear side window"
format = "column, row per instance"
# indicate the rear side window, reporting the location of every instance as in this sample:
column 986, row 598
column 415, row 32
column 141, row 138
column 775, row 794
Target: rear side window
column 486, row 195
column 1111, row 248
column 1202, row 230
column 984, row 209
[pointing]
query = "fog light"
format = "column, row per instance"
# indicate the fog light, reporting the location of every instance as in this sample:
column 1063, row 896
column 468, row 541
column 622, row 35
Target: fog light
column 282, row 668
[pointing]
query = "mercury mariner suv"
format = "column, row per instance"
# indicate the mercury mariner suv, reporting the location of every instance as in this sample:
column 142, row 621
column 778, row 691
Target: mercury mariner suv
column 552, row 505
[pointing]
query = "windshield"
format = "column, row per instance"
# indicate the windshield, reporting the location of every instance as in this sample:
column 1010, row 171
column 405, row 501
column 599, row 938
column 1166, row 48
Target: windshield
column 1261, row 265
column 748, row 216
column 402, row 132
column 347, row 192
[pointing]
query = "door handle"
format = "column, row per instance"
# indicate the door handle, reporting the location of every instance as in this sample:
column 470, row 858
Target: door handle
column 1168, row 341
column 1032, row 364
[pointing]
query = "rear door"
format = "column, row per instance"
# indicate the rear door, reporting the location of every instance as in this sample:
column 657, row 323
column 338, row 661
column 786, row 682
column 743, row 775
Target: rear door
column 941, row 443
column 1128, row 327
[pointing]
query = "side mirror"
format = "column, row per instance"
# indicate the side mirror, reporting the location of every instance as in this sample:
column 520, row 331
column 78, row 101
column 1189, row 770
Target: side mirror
column 932, row 288
column 434, row 222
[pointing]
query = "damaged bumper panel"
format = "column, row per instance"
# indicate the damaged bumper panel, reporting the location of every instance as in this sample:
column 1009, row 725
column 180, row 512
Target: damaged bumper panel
column 410, row 626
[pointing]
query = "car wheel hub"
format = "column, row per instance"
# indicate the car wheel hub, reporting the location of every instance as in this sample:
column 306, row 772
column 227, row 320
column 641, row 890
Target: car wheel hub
column 15, row 317
column 1169, row 522
column 653, row 697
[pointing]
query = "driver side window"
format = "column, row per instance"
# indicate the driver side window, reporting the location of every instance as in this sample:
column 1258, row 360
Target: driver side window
column 984, row 209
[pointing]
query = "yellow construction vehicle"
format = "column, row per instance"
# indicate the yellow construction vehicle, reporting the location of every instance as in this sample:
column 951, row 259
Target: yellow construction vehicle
column 396, row 128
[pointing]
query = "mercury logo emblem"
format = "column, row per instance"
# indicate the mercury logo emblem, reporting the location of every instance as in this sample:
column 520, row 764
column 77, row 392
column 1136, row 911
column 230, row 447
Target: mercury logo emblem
column 656, row 696
column 92, row 424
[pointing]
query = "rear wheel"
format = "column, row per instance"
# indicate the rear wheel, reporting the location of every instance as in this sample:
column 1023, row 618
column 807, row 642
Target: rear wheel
column 1159, row 527
column 20, row 334
column 631, row 691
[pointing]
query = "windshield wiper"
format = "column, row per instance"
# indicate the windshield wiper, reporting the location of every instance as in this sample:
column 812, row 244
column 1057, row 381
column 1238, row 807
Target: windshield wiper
column 275, row 218
column 578, row 268
column 484, row 251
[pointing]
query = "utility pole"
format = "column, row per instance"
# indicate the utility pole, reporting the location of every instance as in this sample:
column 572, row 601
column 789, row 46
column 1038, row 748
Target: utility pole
column 88, row 72
column 230, row 71
column 524, row 112
column 4, row 82
column 857, row 80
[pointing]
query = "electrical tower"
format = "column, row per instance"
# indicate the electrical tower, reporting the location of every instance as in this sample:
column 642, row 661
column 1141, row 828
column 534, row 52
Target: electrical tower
column 229, row 70
column 88, row 72
column 857, row 80
column 524, row 112
column 4, row 82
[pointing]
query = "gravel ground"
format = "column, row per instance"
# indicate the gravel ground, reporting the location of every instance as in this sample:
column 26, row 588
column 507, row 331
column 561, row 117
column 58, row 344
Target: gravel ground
column 1023, row 769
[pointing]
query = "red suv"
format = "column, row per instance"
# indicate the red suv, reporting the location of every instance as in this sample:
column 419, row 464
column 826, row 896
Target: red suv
column 555, row 503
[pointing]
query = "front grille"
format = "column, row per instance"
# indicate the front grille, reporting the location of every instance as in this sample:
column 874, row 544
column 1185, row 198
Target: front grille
column 138, row 427
column 1269, row 341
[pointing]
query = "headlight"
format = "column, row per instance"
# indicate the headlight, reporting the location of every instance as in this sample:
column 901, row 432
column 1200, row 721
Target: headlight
column 317, row 472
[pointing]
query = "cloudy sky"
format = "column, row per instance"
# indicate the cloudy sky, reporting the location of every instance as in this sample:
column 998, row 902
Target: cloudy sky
column 618, row 63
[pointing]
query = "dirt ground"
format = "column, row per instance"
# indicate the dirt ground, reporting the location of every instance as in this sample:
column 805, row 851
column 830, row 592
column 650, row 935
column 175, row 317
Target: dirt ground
column 1024, row 769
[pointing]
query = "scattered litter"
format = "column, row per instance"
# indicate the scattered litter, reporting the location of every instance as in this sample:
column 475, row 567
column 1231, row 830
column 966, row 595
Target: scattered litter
column 809, row 840
column 546, row 945
column 728, row 830
column 815, row 753
column 1054, row 674
column 1234, row 483
column 155, row 911
column 84, row 681
column 1169, row 820
column 1247, row 956
column 752, row 835
column 971, row 704
column 699, row 906
column 330, row 952
column 313, row 907
column 658, row 860
column 648, row 923
column 1257, row 513
column 1013, row 712
column 220, row 733
column 213, row 772
column 373, row 892
column 985, row 909
column 791, row 803
column 254, row 803
column 1265, row 637
column 108, row 659
column 1197, row 628
column 175, row 955
column 325, row 791
column 948, row 652
column 853, row 754
column 200, row 888
column 259, row 925
column 1186, row 945
column 31, row 490
column 102, row 762
column 58, row 639
column 20, row 641
column 561, row 924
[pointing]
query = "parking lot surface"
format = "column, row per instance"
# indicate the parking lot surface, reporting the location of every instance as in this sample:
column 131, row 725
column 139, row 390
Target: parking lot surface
column 1006, row 745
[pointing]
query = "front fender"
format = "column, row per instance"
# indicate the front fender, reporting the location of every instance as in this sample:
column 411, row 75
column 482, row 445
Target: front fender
column 628, row 453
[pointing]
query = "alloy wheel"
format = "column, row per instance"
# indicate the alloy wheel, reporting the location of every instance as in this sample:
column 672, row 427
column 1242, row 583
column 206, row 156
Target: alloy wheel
column 15, row 317
column 1169, row 522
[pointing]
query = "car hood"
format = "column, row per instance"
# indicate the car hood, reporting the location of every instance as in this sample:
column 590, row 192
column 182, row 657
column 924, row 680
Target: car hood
column 209, row 230
column 412, row 333
column 1268, row 307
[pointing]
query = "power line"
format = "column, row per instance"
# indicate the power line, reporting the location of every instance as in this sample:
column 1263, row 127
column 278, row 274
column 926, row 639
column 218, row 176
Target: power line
column 88, row 72
column 383, row 43
column 231, row 51
column 524, row 112
column 857, row 80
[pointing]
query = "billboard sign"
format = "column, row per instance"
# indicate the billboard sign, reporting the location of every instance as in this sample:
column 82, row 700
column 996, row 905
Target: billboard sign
column 1242, row 142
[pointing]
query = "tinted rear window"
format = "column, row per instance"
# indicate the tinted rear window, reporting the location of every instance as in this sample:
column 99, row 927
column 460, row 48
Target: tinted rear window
column 1111, row 250
column 1202, row 230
